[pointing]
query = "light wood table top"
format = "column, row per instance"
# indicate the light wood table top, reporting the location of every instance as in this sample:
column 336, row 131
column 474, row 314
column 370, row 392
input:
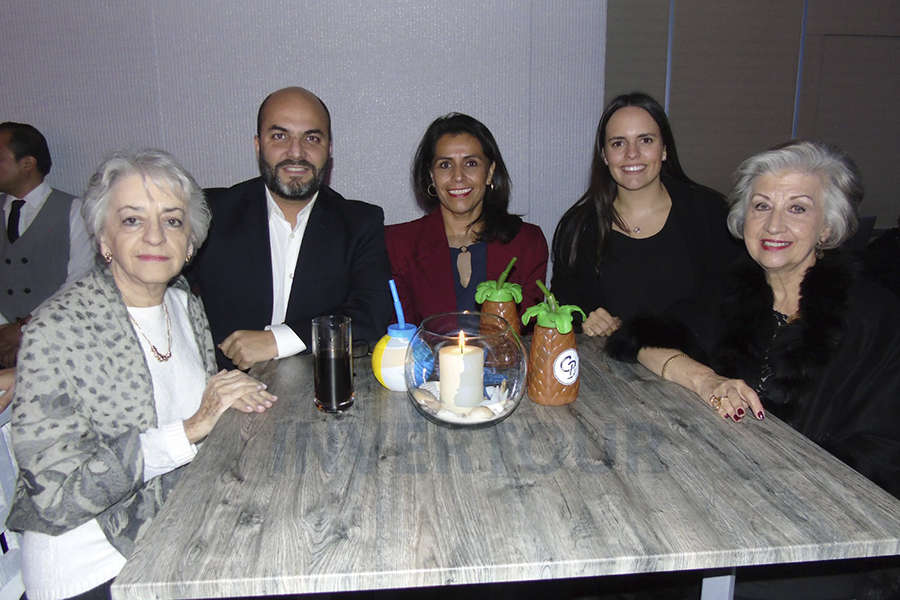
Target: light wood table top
column 636, row 476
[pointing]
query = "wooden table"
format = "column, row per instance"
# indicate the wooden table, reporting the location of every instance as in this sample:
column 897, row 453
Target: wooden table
column 636, row 476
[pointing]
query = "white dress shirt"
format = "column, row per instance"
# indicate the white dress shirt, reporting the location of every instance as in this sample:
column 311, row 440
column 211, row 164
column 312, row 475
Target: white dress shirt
column 285, row 241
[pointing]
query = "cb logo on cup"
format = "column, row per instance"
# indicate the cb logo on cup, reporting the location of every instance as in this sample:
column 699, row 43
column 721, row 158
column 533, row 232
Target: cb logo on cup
column 565, row 367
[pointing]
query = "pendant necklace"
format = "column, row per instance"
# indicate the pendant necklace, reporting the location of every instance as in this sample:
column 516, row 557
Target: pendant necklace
column 464, row 259
column 156, row 353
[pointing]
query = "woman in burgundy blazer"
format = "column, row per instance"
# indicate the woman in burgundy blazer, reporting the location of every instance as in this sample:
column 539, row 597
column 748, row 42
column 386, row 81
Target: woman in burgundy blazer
column 468, row 236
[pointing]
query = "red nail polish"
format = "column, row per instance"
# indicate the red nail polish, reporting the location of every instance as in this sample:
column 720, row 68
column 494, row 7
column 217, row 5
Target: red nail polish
column 726, row 417
column 737, row 419
column 740, row 412
column 760, row 415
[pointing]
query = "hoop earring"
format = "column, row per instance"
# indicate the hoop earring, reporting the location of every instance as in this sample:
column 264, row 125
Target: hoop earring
column 107, row 256
column 431, row 190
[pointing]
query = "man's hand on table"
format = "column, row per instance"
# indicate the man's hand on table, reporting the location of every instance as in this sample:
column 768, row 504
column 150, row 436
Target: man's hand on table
column 245, row 348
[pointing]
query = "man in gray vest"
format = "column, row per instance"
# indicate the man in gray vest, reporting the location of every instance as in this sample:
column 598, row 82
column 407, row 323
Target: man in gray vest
column 43, row 241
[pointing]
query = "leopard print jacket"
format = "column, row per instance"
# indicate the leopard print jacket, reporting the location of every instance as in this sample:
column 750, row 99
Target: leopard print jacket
column 83, row 396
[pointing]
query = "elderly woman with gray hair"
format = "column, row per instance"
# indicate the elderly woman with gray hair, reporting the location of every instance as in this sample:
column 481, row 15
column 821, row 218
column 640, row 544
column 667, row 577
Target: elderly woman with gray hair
column 116, row 382
column 793, row 327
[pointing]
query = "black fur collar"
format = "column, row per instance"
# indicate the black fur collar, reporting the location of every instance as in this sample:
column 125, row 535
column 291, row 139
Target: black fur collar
column 798, row 352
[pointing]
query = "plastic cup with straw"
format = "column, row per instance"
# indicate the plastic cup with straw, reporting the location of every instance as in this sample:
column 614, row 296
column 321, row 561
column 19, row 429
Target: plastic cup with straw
column 389, row 354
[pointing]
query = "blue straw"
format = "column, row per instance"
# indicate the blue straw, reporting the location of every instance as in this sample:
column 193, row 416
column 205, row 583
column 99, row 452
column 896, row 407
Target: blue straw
column 397, row 308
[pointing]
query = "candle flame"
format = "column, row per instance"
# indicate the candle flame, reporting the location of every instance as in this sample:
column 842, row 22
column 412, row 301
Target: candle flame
column 462, row 341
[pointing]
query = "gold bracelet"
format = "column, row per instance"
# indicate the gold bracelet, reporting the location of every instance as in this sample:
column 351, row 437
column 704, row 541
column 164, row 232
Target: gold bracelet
column 662, row 372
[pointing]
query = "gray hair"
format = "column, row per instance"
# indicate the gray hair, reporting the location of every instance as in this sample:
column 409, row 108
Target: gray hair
column 841, row 184
column 156, row 166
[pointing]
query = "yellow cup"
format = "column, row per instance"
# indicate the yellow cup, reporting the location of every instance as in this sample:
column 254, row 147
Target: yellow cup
column 389, row 357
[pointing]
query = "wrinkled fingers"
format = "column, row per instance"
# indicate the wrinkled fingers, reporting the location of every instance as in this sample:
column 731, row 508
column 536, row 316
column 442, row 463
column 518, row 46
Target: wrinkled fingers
column 258, row 401
column 734, row 399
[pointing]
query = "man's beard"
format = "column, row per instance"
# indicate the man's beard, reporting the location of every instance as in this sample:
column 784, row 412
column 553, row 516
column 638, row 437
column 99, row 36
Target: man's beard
column 294, row 189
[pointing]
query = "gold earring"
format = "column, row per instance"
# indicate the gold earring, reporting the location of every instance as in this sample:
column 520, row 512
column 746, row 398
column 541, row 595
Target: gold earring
column 431, row 190
column 107, row 256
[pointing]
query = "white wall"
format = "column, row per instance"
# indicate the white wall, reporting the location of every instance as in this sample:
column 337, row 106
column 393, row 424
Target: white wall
column 188, row 76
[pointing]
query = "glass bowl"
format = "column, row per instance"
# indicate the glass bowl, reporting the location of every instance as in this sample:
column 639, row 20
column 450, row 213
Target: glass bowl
column 465, row 369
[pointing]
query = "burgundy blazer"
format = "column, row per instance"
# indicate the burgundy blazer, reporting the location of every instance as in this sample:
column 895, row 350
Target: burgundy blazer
column 420, row 263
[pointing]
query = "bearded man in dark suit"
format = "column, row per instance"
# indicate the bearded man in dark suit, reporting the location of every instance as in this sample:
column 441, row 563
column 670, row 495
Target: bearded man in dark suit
column 284, row 247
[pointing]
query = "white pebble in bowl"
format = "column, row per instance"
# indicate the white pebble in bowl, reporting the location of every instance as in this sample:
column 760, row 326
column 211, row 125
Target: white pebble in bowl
column 481, row 413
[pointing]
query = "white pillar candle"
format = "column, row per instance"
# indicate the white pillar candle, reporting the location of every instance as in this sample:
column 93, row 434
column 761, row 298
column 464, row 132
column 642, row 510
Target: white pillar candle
column 462, row 376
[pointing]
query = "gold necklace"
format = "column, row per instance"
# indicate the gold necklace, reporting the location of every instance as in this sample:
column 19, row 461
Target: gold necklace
column 156, row 353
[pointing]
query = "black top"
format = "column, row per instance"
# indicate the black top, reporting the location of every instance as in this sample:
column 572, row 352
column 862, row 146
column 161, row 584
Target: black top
column 465, row 296
column 638, row 275
column 627, row 282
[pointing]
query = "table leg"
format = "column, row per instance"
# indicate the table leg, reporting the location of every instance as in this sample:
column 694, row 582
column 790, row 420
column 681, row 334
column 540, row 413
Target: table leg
column 720, row 587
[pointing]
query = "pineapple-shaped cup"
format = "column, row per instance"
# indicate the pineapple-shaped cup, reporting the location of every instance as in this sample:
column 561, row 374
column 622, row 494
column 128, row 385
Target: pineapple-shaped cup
column 500, row 298
column 553, row 362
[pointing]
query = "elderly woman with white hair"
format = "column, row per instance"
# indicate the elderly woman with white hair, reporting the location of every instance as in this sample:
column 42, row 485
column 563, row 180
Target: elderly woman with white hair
column 793, row 327
column 116, row 382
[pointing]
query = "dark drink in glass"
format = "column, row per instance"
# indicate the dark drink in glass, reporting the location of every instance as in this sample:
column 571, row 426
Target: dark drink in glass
column 334, row 382
column 332, row 352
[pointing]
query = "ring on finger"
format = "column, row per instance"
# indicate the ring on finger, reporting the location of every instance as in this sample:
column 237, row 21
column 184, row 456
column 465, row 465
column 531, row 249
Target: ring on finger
column 715, row 401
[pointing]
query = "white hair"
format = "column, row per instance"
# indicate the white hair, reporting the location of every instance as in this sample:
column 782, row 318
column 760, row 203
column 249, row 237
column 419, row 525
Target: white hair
column 841, row 185
column 160, row 168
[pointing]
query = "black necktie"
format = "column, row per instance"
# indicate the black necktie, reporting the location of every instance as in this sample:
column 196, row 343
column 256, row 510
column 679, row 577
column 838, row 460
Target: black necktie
column 12, row 227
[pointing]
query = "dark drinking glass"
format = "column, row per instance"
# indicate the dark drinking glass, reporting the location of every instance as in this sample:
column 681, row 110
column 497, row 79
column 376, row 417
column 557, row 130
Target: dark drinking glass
column 331, row 345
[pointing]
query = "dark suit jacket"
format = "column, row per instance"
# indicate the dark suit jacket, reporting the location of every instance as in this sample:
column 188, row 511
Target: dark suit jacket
column 420, row 262
column 342, row 269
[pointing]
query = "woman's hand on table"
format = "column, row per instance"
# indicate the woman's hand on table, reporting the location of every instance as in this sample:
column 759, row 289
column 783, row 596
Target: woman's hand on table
column 731, row 398
column 600, row 322
column 224, row 390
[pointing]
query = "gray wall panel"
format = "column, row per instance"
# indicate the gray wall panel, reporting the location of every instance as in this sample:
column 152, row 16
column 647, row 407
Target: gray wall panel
column 734, row 68
column 856, row 94
column 637, row 35
column 567, row 92
column 849, row 93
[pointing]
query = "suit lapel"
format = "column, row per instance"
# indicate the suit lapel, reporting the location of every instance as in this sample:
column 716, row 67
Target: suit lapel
column 258, row 249
column 313, row 263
